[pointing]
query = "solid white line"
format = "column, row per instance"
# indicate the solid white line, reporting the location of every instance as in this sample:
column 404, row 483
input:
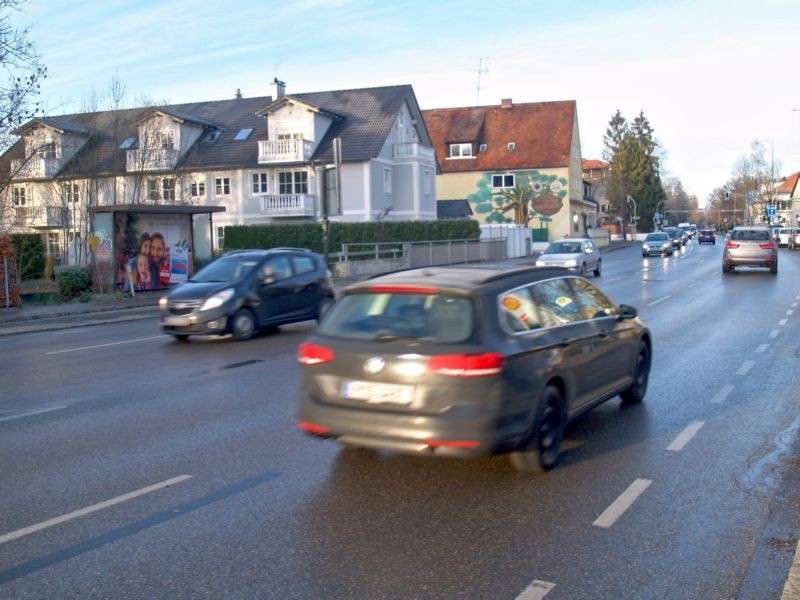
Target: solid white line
column 746, row 366
column 33, row 412
column 74, row 330
column 783, row 322
column 654, row 302
column 722, row 394
column 612, row 279
column 696, row 283
column 536, row 590
column 90, row 509
column 155, row 337
column 762, row 348
column 774, row 333
column 623, row 503
column 687, row 434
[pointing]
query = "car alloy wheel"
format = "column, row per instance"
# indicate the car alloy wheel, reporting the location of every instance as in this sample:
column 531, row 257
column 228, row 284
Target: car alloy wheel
column 641, row 375
column 243, row 324
column 542, row 451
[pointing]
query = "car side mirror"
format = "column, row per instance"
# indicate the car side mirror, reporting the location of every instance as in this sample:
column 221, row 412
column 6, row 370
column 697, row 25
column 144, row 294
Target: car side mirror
column 627, row 311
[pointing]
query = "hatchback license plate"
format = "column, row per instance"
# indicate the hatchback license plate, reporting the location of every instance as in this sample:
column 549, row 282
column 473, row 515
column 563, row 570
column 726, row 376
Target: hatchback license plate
column 378, row 393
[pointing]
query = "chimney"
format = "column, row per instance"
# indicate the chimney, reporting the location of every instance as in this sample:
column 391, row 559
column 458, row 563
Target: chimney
column 238, row 93
column 278, row 89
column 505, row 103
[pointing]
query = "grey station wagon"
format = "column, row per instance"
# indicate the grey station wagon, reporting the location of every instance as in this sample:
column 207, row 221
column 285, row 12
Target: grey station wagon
column 468, row 361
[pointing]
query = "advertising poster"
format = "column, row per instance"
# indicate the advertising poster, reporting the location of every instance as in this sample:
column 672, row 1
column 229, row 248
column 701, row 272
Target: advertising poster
column 154, row 250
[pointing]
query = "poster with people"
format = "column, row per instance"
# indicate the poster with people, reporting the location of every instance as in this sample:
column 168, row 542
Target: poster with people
column 153, row 249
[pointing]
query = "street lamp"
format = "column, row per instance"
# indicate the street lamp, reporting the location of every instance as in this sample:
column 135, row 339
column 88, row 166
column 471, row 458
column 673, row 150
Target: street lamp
column 634, row 215
column 661, row 218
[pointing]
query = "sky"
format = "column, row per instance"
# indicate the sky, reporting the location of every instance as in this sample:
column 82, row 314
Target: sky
column 711, row 76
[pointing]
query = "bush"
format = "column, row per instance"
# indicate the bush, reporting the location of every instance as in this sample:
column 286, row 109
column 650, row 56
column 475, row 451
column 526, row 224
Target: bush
column 30, row 255
column 73, row 281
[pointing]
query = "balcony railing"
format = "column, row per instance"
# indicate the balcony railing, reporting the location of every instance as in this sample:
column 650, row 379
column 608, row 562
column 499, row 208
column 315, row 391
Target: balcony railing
column 413, row 151
column 151, row 160
column 35, row 166
column 42, row 217
column 289, row 205
column 275, row 151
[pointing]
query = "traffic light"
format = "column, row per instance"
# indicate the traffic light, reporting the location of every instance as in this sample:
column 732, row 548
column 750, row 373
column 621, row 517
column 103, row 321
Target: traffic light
column 727, row 195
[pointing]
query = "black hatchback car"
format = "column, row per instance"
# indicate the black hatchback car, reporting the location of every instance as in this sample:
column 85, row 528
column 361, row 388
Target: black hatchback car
column 707, row 236
column 468, row 361
column 246, row 290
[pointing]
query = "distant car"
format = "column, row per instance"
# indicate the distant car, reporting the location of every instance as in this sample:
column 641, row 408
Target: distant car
column 469, row 361
column 675, row 236
column 794, row 239
column 246, row 290
column 707, row 236
column 782, row 236
column 750, row 247
column 657, row 243
column 576, row 254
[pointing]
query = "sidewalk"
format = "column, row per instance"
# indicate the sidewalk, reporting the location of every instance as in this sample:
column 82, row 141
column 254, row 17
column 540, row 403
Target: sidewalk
column 50, row 317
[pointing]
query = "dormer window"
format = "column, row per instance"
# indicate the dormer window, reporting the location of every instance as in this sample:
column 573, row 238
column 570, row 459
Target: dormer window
column 46, row 150
column 511, row 146
column 460, row 150
column 165, row 140
column 213, row 136
column 483, row 148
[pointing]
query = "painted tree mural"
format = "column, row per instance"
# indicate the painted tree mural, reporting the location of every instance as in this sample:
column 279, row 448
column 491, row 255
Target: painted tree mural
column 534, row 196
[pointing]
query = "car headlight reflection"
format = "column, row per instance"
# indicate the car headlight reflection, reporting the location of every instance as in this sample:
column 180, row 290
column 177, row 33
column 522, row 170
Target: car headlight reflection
column 217, row 300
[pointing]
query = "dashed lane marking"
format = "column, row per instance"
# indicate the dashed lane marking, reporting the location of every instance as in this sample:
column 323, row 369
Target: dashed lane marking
column 536, row 590
column 685, row 436
column 723, row 393
column 745, row 368
column 623, row 503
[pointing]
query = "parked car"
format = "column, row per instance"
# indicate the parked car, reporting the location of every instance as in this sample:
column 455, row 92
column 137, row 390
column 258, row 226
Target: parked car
column 750, row 246
column 577, row 254
column 782, row 236
column 707, row 236
column 469, row 360
column 657, row 243
column 794, row 239
column 246, row 290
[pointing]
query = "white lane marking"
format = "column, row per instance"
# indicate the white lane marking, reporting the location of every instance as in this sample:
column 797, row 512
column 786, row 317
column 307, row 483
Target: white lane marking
column 783, row 322
column 793, row 305
column 611, row 279
column 723, row 393
column 745, row 368
column 696, row 283
column 74, row 330
column 762, row 348
column 654, row 302
column 536, row 590
column 90, row 509
column 33, row 412
column 687, row 434
column 155, row 337
column 623, row 503
column 789, row 313
column 774, row 333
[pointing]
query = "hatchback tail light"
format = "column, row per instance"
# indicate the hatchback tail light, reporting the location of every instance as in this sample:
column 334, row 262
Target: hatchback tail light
column 731, row 245
column 314, row 354
column 467, row 365
column 767, row 246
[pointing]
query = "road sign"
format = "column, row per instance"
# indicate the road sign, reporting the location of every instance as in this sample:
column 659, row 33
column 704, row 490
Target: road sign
column 771, row 210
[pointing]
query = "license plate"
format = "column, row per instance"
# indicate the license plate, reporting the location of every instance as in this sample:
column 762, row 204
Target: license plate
column 378, row 393
column 175, row 321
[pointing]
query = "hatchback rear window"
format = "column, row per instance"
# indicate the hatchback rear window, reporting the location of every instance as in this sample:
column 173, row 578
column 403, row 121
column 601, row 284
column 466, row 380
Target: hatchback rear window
column 749, row 234
column 436, row 318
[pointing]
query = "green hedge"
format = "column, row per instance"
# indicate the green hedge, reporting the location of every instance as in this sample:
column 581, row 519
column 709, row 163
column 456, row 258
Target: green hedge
column 30, row 251
column 309, row 235
column 73, row 281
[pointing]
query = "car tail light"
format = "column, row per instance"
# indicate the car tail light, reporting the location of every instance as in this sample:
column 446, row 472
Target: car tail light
column 731, row 245
column 452, row 443
column 767, row 246
column 467, row 365
column 312, row 428
column 314, row 354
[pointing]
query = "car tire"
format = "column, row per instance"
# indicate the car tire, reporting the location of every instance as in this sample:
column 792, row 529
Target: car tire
column 243, row 324
column 324, row 307
column 542, row 451
column 645, row 255
column 583, row 269
column 181, row 337
column 773, row 268
column 599, row 268
column 726, row 269
column 641, row 375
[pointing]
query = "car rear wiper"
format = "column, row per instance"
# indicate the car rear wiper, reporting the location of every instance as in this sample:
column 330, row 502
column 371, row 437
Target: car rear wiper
column 390, row 336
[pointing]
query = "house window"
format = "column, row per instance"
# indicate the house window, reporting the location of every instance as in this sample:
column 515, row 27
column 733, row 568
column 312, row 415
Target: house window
column 483, row 148
column 243, row 134
column 220, row 238
column 460, row 150
column 127, row 143
column 387, row 181
column 168, row 189
column 213, row 135
column 18, row 195
column 292, row 182
column 259, row 183
column 165, row 140
column 289, row 136
column 222, row 186
column 426, row 182
column 197, row 188
column 506, row 180
column 71, row 192
column 54, row 247
column 47, row 150
column 152, row 190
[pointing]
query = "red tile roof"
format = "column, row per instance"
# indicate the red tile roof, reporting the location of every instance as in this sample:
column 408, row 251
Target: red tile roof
column 788, row 184
column 591, row 164
column 541, row 133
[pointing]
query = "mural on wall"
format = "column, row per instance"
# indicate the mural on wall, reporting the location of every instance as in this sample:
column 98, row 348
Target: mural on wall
column 534, row 196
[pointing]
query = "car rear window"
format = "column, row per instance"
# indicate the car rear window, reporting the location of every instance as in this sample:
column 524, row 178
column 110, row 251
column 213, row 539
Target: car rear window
column 750, row 235
column 387, row 316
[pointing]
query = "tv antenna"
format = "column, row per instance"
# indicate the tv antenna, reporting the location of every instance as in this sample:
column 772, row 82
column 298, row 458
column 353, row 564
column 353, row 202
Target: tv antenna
column 481, row 70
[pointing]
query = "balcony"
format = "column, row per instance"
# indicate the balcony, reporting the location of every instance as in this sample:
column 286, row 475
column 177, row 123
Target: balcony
column 289, row 205
column 41, row 217
column 151, row 160
column 413, row 151
column 35, row 166
column 281, row 151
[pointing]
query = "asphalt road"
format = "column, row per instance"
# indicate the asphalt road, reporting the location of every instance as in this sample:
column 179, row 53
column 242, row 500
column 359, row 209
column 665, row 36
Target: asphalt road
column 134, row 466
